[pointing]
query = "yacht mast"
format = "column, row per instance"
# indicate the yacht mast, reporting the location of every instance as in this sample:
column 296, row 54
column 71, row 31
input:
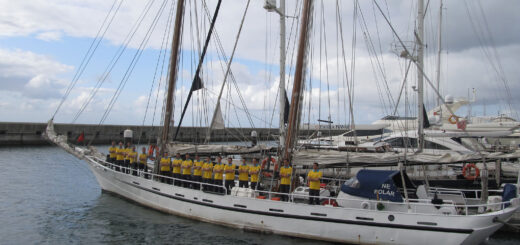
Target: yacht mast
column 174, row 60
column 439, row 50
column 293, row 124
column 420, row 82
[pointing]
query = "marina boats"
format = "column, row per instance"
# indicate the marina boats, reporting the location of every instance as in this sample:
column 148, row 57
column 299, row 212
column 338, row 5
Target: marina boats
column 375, row 207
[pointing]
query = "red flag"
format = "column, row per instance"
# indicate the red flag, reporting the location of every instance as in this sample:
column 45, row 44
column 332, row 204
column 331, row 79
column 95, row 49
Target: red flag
column 81, row 137
column 461, row 124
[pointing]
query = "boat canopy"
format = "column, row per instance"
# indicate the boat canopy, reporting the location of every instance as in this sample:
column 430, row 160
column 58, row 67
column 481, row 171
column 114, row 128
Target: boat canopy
column 376, row 185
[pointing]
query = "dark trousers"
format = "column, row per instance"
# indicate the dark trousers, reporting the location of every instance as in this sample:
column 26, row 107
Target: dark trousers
column 284, row 189
column 144, row 169
column 198, row 179
column 186, row 184
column 218, row 186
column 177, row 177
column 113, row 161
column 207, row 187
column 119, row 163
column 126, row 164
column 253, row 185
column 243, row 183
column 314, row 197
column 229, row 184
column 134, row 168
column 167, row 174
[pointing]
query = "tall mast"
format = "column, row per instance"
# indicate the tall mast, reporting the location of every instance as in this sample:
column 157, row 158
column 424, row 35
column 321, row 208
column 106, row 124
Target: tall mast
column 420, row 82
column 294, row 122
column 174, row 60
column 439, row 50
column 282, row 73
column 271, row 7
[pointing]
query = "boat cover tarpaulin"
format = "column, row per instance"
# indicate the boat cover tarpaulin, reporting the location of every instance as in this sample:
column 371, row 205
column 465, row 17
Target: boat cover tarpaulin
column 375, row 185
column 330, row 157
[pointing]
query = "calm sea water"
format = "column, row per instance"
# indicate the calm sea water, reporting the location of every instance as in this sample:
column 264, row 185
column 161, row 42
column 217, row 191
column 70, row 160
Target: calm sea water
column 49, row 197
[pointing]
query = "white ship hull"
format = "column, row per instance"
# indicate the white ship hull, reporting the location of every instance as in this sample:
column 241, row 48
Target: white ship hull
column 301, row 220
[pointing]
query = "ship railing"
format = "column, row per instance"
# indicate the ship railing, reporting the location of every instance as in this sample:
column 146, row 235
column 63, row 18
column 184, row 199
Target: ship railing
column 203, row 186
column 411, row 205
column 474, row 193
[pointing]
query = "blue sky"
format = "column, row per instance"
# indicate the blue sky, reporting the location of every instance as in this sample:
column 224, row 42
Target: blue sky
column 42, row 44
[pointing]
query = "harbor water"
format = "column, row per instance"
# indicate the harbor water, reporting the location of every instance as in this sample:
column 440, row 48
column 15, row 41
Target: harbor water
column 50, row 197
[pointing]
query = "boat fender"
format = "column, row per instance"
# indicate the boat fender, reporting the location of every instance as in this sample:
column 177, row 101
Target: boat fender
column 453, row 119
column 330, row 202
column 466, row 171
column 365, row 205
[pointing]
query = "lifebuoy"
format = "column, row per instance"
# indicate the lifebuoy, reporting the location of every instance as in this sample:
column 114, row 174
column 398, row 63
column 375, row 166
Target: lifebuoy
column 331, row 202
column 466, row 171
column 453, row 119
column 264, row 162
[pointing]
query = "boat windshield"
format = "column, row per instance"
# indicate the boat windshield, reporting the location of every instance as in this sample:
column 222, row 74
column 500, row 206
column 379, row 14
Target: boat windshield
column 352, row 183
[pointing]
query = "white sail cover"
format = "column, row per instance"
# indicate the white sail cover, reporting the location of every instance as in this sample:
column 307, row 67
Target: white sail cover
column 174, row 148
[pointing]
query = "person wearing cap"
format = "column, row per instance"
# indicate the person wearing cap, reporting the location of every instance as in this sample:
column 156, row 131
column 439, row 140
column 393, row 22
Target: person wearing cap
column 243, row 174
column 313, row 177
column 229, row 170
column 197, row 172
column 207, row 172
column 186, row 166
column 254, row 171
column 176, row 164
column 218, row 170
column 285, row 179
column 165, row 163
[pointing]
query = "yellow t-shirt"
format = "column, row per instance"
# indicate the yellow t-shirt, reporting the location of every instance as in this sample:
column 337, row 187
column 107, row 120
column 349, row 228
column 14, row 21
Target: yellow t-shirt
column 176, row 163
column 231, row 174
column 132, row 156
column 197, row 168
column 112, row 151
column 207, row 168
column 314, row 185
column 142, row 158
column 186, row 167
column 127, row 153
column 120, row 154
column 165, row 164
column 285, row 171
column 218, row 169
column 254, row 176
column 243, row 176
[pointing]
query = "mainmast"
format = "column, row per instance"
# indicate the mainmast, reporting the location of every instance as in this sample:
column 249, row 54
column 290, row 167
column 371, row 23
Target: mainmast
column 439, row 50
column 420, row 81
column 293, row 124
column 174, row 60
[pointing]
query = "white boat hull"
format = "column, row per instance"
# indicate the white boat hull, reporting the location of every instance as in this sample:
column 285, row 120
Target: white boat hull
column 300, row 220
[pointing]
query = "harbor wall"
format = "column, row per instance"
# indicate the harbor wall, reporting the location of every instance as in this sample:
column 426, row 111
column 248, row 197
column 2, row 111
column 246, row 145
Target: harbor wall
column 22, row 133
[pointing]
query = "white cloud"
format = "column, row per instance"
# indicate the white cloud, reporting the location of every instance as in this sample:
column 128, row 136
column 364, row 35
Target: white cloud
column 50, row 36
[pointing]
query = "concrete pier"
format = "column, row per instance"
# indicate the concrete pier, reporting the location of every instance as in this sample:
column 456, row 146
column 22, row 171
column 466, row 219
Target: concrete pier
column 21, row 133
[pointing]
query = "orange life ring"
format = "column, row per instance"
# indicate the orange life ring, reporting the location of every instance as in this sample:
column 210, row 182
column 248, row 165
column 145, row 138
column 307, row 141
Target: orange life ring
column 264, row 162
column 331, row 202
column 453, row 119
column 466, row 171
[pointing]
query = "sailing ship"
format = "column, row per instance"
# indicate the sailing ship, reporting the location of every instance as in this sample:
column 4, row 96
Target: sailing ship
column 380, row 207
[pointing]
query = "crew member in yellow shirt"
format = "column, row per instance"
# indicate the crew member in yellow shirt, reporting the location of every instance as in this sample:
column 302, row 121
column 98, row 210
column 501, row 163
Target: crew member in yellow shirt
column 126, row 164
column 207, row 172
column 218, row 171
column 112, row 153
column 243, row 174
column 285, row 179
column 143, row 160
column 254, row 171
column 176, row 163
column 132, row 156
column 120, row 156
column 165, row 167
column 229, row 170
column 186, row 166
column 313, row 177
column 197, row 172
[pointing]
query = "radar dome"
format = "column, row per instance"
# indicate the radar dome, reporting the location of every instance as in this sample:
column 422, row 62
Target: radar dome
column 448, row 99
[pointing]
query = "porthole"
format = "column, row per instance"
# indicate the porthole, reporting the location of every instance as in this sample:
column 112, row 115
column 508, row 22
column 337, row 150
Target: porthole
column 391, row 217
